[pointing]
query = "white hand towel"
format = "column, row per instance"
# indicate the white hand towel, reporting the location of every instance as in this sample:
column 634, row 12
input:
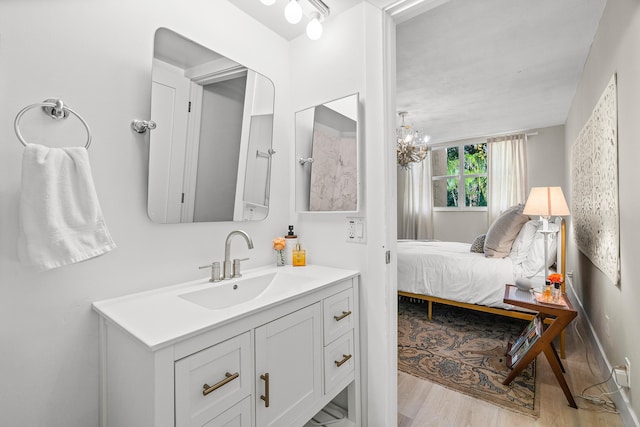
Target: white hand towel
column 60, row 218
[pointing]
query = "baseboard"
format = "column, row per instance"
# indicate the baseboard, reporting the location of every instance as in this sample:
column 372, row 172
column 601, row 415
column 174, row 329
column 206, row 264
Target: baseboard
column 628, row 415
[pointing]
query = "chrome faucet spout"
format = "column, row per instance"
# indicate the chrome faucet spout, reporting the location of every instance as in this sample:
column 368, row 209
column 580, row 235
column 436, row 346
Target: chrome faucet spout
column 227, row 250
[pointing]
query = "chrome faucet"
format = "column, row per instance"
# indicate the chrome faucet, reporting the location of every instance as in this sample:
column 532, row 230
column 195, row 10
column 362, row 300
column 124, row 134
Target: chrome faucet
column 227, row 249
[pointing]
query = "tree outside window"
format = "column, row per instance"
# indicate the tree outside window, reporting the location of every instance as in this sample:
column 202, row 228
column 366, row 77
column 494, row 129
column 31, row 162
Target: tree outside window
column 459, row 175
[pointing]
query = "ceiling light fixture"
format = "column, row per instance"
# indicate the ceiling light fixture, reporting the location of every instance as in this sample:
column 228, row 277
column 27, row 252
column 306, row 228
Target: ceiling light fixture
column 411, row 145
column 314, row 27
column 315, row 10
column 293, row 12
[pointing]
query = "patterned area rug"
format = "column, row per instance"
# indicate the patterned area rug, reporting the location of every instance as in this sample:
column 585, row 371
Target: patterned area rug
column 464, row 350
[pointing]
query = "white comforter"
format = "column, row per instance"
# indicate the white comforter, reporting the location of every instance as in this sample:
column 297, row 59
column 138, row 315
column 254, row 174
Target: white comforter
column 449, row 270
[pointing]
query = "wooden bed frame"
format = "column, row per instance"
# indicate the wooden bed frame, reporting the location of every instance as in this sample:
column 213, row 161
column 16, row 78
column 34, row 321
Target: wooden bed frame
column 501, row 311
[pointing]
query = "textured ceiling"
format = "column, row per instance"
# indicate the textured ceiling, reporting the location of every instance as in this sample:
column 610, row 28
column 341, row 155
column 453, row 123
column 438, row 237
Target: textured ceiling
column 474, row 68
column 470, row 68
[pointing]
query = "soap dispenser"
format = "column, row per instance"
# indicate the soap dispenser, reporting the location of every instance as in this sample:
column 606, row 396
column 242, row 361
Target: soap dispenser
column 291, row 241
column 299, row 256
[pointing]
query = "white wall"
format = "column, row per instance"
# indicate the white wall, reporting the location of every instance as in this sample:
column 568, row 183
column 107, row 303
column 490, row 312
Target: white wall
column 546, row 158
column 96, row 56
column 348, row 59
column 545, row 167
column 614, row 50
column 462, row 226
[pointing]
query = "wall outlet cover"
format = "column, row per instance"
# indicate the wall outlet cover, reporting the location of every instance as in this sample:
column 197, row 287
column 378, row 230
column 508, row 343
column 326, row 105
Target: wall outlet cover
column 356, row 230
column 627, row 363
column 620, row 376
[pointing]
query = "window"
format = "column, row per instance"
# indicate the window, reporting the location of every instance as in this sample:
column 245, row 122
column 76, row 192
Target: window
column 459, row 175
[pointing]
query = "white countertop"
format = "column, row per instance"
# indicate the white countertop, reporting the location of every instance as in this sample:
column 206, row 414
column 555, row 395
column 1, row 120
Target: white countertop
column 161, row 317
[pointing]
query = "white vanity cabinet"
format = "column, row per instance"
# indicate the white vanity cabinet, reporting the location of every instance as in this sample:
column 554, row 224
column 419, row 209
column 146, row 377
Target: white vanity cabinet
column 278, row 365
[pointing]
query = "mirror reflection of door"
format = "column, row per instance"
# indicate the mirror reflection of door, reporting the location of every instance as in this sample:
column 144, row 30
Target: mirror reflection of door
column 170, row 96
column 218, row 150
column 210, row 155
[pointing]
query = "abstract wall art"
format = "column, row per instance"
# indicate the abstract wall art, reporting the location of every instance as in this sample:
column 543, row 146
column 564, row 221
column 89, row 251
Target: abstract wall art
column 594, row 186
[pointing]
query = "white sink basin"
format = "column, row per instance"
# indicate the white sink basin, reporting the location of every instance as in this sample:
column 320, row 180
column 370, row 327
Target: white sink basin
column 199, row 305
column 232, row 292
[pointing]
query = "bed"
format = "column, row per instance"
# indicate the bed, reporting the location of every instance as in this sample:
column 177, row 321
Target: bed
column 450, row 273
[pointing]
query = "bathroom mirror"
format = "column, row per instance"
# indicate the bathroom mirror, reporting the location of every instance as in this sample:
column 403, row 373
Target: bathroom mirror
column 326, row 167
column 210, row 153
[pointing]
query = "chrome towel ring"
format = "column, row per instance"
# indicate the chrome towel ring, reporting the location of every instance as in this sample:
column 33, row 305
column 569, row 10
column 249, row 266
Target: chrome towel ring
column 55, row 109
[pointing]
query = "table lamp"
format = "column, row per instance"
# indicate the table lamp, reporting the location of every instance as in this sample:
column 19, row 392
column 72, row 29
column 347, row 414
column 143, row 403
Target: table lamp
column 546, row 202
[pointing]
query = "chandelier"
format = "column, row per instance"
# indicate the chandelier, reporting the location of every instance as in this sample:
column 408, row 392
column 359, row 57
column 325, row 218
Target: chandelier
column 411, row 144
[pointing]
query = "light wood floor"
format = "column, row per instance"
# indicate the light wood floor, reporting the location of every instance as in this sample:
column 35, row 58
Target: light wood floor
column 423, row 403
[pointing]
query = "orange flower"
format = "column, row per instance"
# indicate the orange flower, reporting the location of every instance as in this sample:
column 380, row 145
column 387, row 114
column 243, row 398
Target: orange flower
column 279, row 243
column 555, row 278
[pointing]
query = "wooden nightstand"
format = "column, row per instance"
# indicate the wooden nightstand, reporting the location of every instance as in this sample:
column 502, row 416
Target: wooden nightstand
column 561, row 315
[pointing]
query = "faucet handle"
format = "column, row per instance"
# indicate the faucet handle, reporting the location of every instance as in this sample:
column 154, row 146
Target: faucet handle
column 236, row 267
column 215, row 271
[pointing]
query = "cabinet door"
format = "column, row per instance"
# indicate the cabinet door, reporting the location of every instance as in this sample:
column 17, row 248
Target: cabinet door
column 212, row 380
column 288, row 366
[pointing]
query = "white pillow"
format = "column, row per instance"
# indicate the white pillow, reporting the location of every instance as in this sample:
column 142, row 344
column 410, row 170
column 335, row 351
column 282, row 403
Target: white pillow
column 524, row 240
column 533, row 263
column 503, row 231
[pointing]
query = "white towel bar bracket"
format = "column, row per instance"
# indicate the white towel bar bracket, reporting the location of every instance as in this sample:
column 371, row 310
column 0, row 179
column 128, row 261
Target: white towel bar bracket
column 55, row 109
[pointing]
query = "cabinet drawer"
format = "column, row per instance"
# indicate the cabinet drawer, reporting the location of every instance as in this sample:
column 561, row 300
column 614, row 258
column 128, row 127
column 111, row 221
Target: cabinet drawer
column 339, row 360
column 211, row 380
column 338, row 315
column 238, row 415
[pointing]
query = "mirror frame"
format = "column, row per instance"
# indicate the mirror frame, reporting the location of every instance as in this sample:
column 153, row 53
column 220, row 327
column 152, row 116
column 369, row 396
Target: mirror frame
column 304, row 129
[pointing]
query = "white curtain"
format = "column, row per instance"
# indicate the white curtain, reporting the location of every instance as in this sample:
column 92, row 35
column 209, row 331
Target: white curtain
column 414, row 201
column 507, row 174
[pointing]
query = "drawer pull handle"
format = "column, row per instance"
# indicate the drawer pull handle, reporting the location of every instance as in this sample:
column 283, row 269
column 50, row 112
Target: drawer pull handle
column 342, row 362
column 265, row 396
column 342, row 316
column 228, row 378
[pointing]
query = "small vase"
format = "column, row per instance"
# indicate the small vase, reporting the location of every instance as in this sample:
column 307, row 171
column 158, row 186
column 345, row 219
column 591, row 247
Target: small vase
column 280, row 258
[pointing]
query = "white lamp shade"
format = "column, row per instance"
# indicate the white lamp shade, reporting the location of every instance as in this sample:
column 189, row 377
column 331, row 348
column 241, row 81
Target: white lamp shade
column 314, row 29
column 546, row 201
column 293, row 12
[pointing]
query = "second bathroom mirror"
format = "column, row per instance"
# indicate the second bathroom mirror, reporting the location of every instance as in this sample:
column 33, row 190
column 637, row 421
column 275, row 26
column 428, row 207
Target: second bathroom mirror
column 210, row 154
column 327, row 178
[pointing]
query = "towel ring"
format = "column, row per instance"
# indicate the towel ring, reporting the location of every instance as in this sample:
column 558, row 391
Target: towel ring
column 55, row 109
